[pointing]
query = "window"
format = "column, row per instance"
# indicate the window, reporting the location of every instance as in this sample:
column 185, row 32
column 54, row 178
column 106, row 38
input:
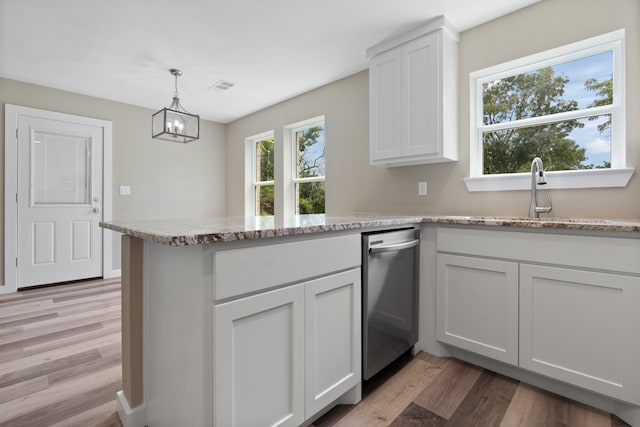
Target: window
column 565, row 106
column 285, row 170
column 308, row 150
column 263, row 174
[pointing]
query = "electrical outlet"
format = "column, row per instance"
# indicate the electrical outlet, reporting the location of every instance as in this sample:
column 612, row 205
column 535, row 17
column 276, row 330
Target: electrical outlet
column 125, row 190
column 422, row 188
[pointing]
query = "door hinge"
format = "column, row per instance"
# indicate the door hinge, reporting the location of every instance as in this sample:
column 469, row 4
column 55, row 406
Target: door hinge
column 16, row 133
column 16, row 261
column 16, row 197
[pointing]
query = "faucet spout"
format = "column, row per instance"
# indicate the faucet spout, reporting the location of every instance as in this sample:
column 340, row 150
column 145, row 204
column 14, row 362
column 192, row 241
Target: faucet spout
column 537, row 178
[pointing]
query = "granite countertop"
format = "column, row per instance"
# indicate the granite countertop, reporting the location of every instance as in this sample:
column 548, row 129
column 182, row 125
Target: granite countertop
column 211, row 230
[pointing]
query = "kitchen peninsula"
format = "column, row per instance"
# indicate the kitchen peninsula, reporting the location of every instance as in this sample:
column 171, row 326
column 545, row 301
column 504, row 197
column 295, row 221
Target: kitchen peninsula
column 253, row 320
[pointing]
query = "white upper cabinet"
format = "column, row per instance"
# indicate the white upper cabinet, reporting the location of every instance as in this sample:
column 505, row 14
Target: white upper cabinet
column 413, row 94
column 385, row 105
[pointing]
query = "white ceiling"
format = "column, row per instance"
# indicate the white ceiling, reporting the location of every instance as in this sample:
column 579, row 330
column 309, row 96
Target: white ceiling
column 271, row 49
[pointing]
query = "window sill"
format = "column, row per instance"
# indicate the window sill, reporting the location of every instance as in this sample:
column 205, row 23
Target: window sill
column 595, row 178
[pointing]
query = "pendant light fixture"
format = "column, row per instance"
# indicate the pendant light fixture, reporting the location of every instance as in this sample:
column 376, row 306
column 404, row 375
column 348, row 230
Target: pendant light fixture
column 174, row 123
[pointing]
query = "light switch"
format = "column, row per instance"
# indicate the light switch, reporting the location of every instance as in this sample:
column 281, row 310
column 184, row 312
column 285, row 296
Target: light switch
column 125, row 190
column 422, row 188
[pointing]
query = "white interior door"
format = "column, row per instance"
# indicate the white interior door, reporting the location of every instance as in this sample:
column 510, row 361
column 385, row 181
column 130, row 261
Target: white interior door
column 59, row 201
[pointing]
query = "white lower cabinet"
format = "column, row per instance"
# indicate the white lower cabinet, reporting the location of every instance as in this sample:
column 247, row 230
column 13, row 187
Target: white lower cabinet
column 332, row 338
column 259, row 360
column 536, row 301
column 581, row 327
column 478, row 305
column 283, row 355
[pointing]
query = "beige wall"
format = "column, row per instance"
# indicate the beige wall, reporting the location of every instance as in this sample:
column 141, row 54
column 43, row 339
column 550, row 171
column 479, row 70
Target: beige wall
column 344, row 104
column 171, row 180
column 352, row 185
column 168, row 180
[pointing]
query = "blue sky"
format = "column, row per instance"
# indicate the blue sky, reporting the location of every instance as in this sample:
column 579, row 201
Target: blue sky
column 579, row 71
column 315, row 151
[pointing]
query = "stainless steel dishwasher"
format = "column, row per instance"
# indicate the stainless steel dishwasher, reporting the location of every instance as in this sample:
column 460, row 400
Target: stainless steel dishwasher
column 390, row 263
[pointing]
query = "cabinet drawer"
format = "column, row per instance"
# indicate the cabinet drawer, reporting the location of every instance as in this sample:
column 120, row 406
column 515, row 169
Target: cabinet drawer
column 248, row 270
column 593, row 252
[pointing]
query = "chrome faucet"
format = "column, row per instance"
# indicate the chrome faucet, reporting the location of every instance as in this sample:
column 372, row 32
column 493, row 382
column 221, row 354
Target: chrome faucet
column 537, row 178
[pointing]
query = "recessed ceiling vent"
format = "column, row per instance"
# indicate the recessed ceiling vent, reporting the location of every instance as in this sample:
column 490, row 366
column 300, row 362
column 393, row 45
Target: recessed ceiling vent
column 221, row 85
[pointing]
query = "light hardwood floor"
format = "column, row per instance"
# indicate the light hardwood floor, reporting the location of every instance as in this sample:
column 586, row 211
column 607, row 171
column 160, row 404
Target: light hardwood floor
column 60, row 355
column 60, row 365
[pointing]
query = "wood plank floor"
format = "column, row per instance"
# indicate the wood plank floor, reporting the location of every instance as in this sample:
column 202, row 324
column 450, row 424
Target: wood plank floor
column 60, row 355
column 60, row 365
column 430, row 391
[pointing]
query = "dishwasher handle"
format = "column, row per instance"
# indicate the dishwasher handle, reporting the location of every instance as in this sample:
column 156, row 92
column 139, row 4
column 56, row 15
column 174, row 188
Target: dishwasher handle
column 395, row 247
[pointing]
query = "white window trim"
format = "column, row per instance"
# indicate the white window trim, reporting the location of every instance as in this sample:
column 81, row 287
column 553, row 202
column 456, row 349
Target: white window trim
column 292, row 130
column 251, row 182
column 309, row 179
column 618, row 176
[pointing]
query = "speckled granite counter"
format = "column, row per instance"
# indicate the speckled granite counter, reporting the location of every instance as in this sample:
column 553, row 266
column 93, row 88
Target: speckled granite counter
column 210, row 230
column 607, row 225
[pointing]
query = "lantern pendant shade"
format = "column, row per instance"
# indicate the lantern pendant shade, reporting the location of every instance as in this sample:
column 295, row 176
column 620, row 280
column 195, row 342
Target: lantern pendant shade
column 176, row 126
column 174, row 123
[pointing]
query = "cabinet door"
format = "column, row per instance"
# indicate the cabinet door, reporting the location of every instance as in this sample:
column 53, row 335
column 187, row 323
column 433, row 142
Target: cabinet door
column 385, row 105
column 258, row 360
column 420, row 113
column 582, row 327
column 332, row 338
column 477, row 302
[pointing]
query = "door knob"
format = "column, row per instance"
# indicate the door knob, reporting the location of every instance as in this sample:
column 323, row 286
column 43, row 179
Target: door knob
column 96, row 210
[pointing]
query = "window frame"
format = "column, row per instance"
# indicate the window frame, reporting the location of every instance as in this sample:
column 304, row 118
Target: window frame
column 316, row 121
column 617, row 176
column 254, row 183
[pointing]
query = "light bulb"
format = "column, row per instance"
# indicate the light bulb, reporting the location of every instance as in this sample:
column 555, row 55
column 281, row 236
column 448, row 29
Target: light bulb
column 178, row 125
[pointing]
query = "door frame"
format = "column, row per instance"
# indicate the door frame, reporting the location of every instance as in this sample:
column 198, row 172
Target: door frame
column 11, row 114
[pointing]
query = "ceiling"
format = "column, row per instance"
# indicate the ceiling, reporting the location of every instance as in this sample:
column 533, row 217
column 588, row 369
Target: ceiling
column 270, row 49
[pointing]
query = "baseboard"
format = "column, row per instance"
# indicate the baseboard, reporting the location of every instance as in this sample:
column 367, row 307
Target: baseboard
column 6, row 289
column 112, row 273
column 629, row 414
column 136, row 417
column 351, row 397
